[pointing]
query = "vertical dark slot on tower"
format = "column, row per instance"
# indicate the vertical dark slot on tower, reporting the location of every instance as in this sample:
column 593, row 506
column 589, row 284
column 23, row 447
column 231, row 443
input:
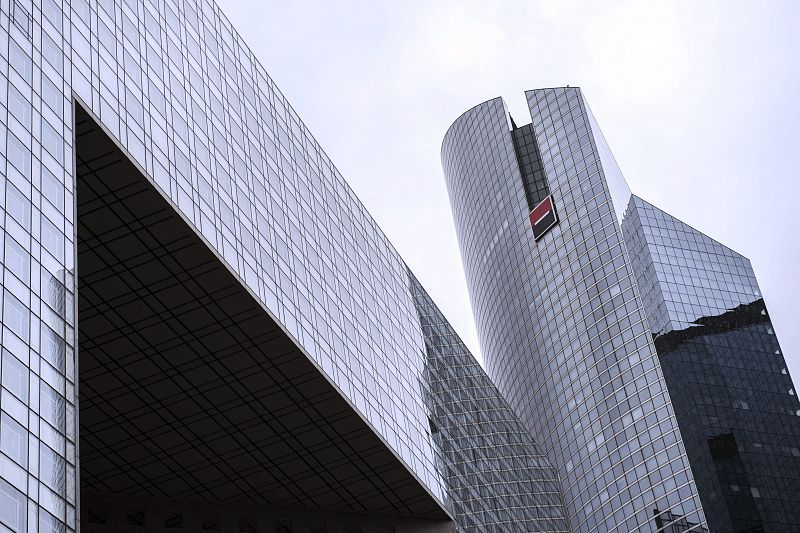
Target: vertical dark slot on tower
column 530, row 164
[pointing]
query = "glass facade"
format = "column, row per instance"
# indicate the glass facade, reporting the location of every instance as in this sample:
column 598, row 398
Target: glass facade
column 186, row 102
column 640, row 349
column 733, row 396
column 530, row 165
column 562, row 326
column 481, row 438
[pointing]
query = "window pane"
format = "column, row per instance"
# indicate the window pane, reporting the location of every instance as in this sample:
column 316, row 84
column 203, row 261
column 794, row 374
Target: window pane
column 12, row 507
column 52, row 141
column 52, row 188
column 17, row 260
column 16, row 316
column 52, row 239
column 20, row 61
column 49, row 524
column 52, row 96
column 53, row 12
column 54, row 293
column 22, row 18
column 15, row 376
column 53, row 348
column 14, row 440
column 19, row 106
column 19, row 155
column 52, row 406
column 52, row 469
column 52, row 53
column 18, row 206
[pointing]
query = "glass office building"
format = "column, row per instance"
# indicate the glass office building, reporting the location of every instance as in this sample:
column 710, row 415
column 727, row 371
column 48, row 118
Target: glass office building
column 735, row 402
column 637, row 348
column 202, row 327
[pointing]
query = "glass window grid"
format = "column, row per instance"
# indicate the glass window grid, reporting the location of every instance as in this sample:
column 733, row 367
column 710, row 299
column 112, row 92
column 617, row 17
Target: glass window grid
column 732, row 382
column 565, row 284
column 175, row 85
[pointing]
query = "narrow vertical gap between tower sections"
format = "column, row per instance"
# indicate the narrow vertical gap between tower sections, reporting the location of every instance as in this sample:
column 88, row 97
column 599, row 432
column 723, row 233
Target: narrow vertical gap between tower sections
column 530, row 164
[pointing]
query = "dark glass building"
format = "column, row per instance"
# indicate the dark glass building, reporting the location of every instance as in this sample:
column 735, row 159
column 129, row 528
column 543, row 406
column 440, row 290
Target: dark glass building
column 736, row 404
column 202, row 327
column 637, row 348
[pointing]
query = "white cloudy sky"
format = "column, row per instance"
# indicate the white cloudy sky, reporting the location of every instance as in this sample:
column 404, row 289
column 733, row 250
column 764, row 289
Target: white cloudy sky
column 698, row 100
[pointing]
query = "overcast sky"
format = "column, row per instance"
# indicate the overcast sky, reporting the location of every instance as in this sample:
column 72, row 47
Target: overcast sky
column 699, row 101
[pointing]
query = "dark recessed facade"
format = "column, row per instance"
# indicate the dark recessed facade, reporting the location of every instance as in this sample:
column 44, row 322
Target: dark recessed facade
column 202, row 327
column 637, row 348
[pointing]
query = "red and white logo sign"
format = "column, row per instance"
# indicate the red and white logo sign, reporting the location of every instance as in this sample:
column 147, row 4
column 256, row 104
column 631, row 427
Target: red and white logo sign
column 543, row 217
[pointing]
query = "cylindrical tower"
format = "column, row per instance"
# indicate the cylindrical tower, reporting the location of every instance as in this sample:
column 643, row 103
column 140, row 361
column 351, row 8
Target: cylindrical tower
column 558, row 314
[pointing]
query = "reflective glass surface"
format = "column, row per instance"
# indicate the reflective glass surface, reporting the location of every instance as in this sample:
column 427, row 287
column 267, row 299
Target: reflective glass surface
column 481, row 438
column 561, row 323
column 733, row 396
column 176, row 88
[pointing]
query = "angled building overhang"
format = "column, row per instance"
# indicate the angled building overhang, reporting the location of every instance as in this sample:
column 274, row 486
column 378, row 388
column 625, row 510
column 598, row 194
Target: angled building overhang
column 189, row 388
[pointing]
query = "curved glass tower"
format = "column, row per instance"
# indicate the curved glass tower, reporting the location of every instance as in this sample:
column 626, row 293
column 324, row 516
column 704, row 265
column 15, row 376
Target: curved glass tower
column 639, row 349
column 561, row 322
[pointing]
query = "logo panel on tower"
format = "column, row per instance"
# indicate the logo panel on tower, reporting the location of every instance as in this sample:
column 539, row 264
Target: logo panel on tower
column 543, row 217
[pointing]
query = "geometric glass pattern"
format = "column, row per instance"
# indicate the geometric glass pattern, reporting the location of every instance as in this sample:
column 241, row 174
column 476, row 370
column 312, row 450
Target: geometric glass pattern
column 733, row 396
column 637, row 348
column 562, row 325
column 252, row 345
